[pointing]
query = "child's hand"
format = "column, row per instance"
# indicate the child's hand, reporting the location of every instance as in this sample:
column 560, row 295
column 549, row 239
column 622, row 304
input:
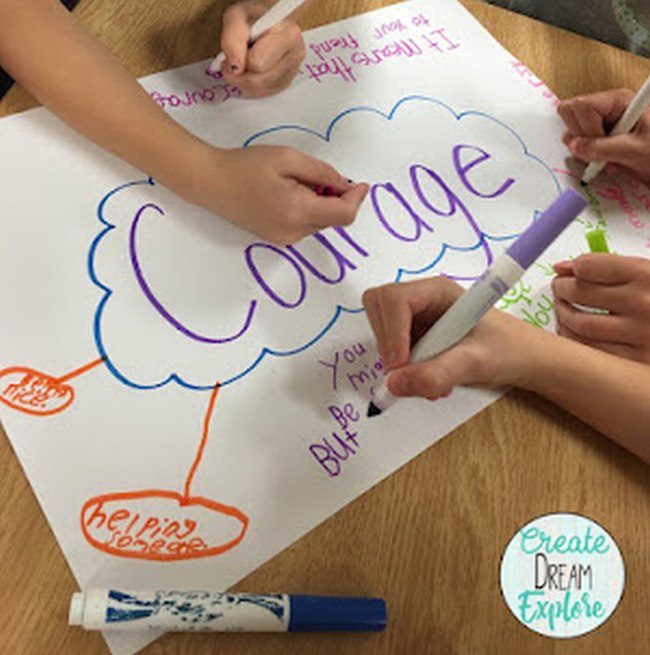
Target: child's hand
column 589, row 118
column 272, row 62
column 494, row 354
column 620, row 285
column 270, row 191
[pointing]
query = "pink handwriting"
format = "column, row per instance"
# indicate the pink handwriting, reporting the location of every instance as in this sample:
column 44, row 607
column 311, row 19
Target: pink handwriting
column 639, row 192
column 349, row 57
column 214, row 94
column 400, row 26
column 535, row 82
column 345, row 42
column 615, row 192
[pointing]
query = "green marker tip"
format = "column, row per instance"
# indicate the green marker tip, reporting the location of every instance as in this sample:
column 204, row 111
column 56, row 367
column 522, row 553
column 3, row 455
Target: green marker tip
column 597, row 241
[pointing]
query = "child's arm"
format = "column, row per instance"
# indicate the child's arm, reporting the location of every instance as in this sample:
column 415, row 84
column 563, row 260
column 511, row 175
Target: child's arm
column 66, row 69
column 609, row 393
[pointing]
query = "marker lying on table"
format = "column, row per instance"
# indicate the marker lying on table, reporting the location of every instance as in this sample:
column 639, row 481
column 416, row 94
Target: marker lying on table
column 625, row 124
column 207, row 611
column 504, row 273
column 276, row 14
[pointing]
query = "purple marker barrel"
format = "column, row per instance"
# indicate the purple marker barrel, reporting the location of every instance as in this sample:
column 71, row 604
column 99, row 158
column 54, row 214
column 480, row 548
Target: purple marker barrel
column 504, row 273
column 539, row 236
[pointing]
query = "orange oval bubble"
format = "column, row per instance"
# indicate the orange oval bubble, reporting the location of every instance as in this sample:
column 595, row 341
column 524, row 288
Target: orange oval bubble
column 33, row 392
column 160, row 525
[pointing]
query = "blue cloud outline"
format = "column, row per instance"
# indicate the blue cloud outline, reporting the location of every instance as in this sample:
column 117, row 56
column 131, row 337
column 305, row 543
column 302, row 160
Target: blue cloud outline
column 174, row 377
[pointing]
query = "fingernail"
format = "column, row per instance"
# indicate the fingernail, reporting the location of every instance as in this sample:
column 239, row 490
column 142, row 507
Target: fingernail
column 325, row 191
column 396, row 385
column 387, row 360
column 578, row 147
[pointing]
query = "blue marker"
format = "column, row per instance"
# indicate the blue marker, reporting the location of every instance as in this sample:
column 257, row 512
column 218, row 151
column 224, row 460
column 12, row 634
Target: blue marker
column 207, row 611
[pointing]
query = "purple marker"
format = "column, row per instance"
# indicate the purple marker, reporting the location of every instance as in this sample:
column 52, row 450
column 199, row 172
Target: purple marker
column 504, row 273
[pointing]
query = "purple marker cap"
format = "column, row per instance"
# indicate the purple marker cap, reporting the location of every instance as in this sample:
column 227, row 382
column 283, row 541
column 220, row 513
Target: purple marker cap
column 539, row 236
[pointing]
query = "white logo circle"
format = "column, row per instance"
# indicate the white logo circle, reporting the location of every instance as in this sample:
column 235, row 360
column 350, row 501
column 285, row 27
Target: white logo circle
column 562, row 575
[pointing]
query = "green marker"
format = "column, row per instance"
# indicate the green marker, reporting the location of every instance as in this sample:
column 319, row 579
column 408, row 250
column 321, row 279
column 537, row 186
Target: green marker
column 597, row 241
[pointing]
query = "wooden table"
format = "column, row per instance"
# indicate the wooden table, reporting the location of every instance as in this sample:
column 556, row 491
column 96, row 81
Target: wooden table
column 428, row 539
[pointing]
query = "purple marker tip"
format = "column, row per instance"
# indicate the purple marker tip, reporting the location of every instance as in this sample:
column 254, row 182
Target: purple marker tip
column 539, row 236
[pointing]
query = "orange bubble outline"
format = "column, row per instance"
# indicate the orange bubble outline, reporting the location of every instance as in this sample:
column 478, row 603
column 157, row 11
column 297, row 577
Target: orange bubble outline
column 183, row 501
column 56, row 380
column 27, row 410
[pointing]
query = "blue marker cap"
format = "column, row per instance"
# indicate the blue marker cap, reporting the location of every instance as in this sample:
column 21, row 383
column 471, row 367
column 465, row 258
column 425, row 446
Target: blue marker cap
column 333, row 613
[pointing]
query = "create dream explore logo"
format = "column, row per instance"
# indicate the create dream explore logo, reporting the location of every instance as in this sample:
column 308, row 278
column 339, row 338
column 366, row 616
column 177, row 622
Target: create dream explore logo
column 562, row 575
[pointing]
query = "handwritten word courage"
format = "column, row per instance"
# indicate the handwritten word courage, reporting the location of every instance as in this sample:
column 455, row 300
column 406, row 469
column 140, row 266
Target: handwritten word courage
column 396, row 216
column 216, row 92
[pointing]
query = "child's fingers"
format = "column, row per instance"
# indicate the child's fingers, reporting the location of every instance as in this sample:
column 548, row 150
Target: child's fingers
column 323, row 212
column 610, row 104
column 435, row 377
column 390, row 315
column 235, row 35
column 593, row 327
column 584, row 114
column 625, row 149
column 606, row 268
column 574, row 290
column 268, row 51
column 394, row 310
column 565, row 110
column 590, row 120
column 618, row 169
column 260, row 85
column 312, row 171
column 564, row 267
column 618, row 349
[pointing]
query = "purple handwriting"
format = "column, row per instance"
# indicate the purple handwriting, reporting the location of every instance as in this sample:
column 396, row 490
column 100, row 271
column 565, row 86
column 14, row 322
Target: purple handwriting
column 215, row 93
column 350, row 365
column 394, row 215
column 343, row 443
column 346, row 58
